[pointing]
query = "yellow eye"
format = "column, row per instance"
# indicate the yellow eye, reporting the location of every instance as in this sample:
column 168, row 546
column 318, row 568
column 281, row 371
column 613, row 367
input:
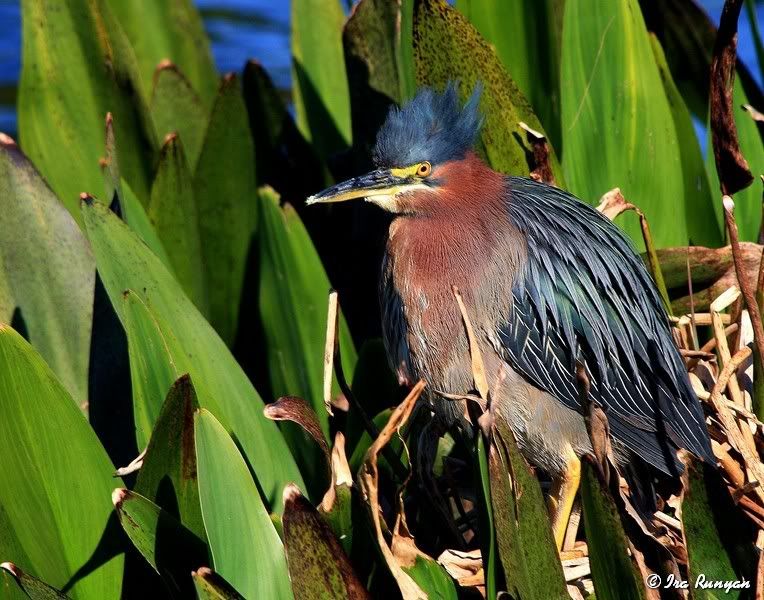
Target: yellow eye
column 424, row 169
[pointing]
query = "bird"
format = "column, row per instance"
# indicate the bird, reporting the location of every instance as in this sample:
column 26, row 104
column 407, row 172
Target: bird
column 551, row 286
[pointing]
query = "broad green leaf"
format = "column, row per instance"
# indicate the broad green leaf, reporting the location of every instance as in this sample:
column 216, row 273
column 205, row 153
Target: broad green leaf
column 617, row 126
column 284, row 159
column 527, row 551
column 173, row 213
column 226, row 194
column 693, row 168
column 245, row 547
column 447, row 48
column 176, row 108
column 615, row 575
column 10, row 588
column 125, row 263
column 371, row 56
column 168, row 474
column 321, row 97
column 405, row 51
column 488, row 542
column 27, row 585
column 171, row 549
column 293, row 300
column 120, row 195
column 135, row 216
column 748, row 201
column 46, row 271
column 527, row 38
column 719, row 538
column 55, row 481
column 169, row 30
column 77, row 66
column 211, row 586
column 152, row 369
column 318, row 566
column 432, row 578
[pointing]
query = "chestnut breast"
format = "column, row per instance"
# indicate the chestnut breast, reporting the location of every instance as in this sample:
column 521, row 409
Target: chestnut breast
column 426, row 256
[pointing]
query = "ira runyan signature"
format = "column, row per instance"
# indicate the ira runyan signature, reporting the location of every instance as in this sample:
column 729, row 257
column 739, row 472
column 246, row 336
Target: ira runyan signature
column 655, row 581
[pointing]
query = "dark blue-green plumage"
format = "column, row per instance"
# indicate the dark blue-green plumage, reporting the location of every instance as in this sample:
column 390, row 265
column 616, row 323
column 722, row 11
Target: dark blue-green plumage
column 583, row 294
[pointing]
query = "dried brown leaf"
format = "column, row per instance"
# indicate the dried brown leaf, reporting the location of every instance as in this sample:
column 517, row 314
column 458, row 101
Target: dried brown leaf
column 731, row 165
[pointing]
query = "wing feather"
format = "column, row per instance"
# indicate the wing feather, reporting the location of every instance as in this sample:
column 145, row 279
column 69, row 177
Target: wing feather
column 584, row 295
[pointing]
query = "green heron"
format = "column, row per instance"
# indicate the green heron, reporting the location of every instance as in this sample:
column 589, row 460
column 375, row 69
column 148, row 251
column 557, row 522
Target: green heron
column 549, row 284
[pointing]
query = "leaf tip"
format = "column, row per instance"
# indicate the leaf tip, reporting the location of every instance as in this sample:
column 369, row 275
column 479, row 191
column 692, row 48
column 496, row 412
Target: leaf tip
column 7, row 141
column 202, row 572
column 165, row 63
column 291, row 494
column 118, row 496
column 169, row 139
column 11, row 568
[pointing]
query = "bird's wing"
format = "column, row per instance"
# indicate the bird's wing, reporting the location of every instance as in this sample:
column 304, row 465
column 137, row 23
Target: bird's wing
column 585, row 295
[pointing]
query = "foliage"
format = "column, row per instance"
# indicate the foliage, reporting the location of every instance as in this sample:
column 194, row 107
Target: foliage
column 153, row 234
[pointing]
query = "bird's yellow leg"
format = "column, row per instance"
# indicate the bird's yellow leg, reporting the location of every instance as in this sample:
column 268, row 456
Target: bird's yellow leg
column 563, row 495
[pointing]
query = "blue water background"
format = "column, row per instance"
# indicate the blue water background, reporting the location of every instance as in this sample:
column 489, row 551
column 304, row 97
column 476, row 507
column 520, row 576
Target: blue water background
column 244, row 29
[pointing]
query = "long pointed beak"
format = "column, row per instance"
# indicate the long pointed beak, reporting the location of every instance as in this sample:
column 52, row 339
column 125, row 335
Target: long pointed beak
column 377, row 183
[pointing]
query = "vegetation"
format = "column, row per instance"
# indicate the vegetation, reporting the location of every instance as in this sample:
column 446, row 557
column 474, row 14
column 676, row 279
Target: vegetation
column 165, row 305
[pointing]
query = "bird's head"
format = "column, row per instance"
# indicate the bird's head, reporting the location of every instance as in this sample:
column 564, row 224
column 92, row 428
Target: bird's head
column 421, row 150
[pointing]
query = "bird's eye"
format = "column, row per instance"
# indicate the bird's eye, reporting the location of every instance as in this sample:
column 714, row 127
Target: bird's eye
column 424, row 169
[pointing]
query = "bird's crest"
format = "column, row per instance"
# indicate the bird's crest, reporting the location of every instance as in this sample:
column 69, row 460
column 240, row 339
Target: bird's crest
column 432, row 126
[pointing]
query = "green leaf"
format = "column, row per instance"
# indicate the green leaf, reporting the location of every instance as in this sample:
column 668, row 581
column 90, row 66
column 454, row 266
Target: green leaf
column 405, row 51
column 318, row 566
column 150, row 377
column 527, row 551
column 168, row 475
column 618, row 129
column 55, row 481
column 136, row 217
column 718, row 536
column 46, row 271
column 448, row 48
column 77, row 66
column 245, row 547
column 694, row 173
column 118, row 191
column 173, row 213
column 28, row 586
column 527, row 38
column 10, row 587
column 211, row 586
column 225, row 192
column 371, row 55
column 488, row 542
column 747, row 201
column 169, row 30
column 432, row 578
column 293, row 300
column 615, row 575
column 284, row 159
column 171, row 549
column 176, row 108
column 124, row 263
column 321, row 97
